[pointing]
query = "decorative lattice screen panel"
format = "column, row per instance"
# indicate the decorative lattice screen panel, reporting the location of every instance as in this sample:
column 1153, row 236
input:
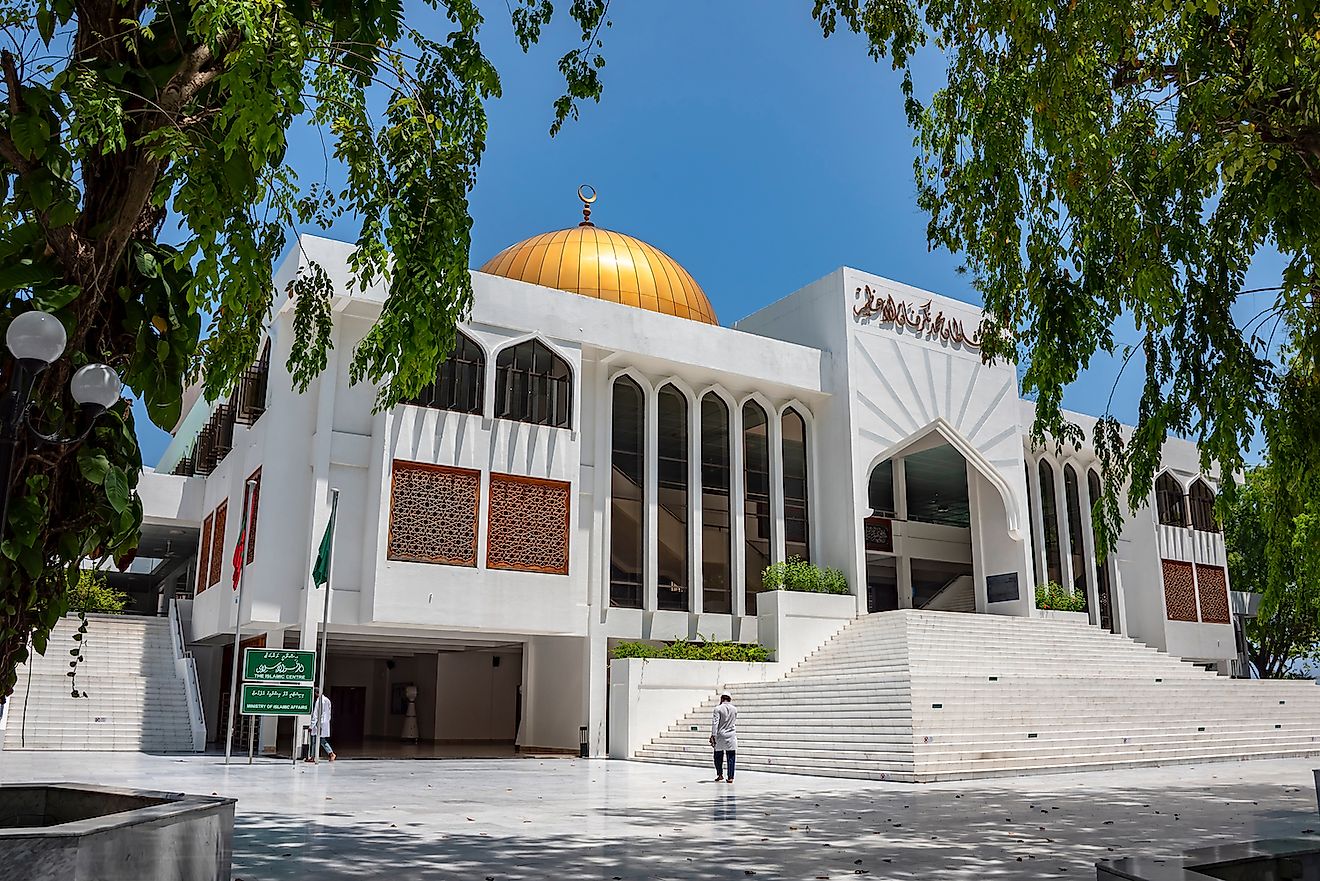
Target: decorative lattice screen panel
column 433, row 514
column 1179, row 590
column 1212, row 585
column 218, row 543
column 528, row 526
column 204, row 557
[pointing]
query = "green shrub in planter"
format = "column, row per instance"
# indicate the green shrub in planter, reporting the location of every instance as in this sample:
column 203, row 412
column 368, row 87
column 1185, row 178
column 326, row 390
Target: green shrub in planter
column 796, row 573
column 1056, row 597
column 694, row 650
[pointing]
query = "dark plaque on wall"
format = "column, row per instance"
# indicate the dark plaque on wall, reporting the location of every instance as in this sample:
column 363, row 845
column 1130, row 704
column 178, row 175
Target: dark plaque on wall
column 879, row 534
column 1001, row 588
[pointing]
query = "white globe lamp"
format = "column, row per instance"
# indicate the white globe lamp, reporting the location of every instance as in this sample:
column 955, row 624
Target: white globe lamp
column 96, row 385
column 36, row 336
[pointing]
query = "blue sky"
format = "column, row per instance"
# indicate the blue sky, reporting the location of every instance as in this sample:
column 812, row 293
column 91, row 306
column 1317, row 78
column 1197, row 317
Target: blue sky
column 731, row 135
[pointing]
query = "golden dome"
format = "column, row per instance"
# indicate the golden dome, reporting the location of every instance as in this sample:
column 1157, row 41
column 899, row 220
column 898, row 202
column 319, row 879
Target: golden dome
column 606, row 265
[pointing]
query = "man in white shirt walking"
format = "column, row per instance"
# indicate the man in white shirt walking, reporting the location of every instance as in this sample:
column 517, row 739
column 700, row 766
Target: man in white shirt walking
column 724, row 735
column 320, row 727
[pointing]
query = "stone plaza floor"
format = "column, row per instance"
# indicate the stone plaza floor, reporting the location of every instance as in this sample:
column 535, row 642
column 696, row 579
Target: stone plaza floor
column 565, row 818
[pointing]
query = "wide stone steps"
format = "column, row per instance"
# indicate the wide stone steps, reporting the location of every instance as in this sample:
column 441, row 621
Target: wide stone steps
column 915, row 695
column 135, row 699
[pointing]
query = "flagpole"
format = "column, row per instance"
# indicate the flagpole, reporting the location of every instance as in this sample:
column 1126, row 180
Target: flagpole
column 238, row 621
column 325, row 624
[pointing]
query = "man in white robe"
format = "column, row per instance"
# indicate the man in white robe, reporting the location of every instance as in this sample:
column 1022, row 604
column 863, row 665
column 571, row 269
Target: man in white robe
column 724, row 735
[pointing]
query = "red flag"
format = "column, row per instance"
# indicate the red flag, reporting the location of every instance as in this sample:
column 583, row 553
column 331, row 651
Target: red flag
column 242, row 541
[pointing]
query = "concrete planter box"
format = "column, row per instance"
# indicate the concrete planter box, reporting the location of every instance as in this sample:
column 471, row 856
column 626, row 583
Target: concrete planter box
column 793, row 624
column 71, row 832
column 648, row 694
column 1056, row 615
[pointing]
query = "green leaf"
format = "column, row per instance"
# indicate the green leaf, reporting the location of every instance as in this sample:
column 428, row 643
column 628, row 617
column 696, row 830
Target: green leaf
column 30, row 134
column 94, row 464
column 116, row 489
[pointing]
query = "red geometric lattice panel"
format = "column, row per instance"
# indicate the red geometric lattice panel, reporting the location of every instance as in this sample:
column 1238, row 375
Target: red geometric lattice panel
column 204, row 557
column 218, row 543
column 528, row 526
column 433, row 514
column 1179, row 590
column 1212, row 585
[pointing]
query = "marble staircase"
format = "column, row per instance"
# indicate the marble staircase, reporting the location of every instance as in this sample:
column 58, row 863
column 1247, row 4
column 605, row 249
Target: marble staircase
column 135, row 698
column 923, row 696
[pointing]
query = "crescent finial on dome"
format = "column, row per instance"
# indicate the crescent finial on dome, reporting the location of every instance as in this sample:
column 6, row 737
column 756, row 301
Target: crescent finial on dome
column 587, row 193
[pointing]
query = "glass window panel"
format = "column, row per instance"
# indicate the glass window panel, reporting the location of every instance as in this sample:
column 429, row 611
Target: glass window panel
column 627, row 536
column 533, row 384
column 1076, row 549
column 1049, row 509
column 458, row 380
column 797, row 525
column 1103, row 591
column 1031, row 512
column 716, row 523
column 1169, row 500
column 880, row 491
column 1202, row 503
column 756, row 499
column 672, row 508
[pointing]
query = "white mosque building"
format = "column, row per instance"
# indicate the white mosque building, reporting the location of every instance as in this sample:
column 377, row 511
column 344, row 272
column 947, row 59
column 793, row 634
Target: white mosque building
column 600, row 459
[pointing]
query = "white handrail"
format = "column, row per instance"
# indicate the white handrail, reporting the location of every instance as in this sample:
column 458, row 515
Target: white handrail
column 185, row 666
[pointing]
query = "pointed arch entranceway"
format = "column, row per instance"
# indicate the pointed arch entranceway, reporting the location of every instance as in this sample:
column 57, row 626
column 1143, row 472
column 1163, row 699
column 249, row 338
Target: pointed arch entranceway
column 941, row 523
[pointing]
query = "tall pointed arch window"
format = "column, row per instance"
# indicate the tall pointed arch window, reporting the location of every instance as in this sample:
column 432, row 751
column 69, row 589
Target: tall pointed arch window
column 533, row 384
column 672, row 504
column 1031, row 512
column 1201, row 500
column 627, row 520
column 1108, row 608
column 460, row 380
column 797, row 523
column 716, row 516
column 756, row 499
column 1170, row 503
column 1076, row 547
column 1049, row 510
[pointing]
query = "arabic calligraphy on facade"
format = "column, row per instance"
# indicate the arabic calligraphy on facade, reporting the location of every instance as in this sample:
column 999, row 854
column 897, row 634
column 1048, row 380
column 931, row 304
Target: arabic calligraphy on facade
column 919, row 319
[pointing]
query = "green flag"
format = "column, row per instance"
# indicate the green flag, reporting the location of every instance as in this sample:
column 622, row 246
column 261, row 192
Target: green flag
column 321, row 571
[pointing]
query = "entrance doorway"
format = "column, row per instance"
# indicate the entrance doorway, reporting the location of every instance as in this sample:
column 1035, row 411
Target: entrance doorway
column 918, row 532
column 348, row 715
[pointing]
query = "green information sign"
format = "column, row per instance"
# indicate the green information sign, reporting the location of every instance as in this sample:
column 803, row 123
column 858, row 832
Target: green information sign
column 259, row 699
column 278, row 665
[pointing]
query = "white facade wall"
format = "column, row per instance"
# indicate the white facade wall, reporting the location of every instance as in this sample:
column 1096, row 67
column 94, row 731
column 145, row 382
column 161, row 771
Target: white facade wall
column 868, row 390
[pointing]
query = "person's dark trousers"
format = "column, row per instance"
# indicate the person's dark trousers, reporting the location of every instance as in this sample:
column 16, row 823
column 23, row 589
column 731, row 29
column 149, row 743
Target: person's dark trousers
column 719, row 761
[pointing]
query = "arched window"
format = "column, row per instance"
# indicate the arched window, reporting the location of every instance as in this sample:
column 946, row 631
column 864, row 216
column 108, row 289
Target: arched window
column 1201, row 499
column 1169, row 501
column 672, row 510
column 627, row 455
column 756, row 498
column 1049, row 509
column 1076, row 547
column 1103, row 589
column 533, row 384
column 880, row 490
column 797, row 524
column 716, row 523
column 460, row 381
column 1031, row 512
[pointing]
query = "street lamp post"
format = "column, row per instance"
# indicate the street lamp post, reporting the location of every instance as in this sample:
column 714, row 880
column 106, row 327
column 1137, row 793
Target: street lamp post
column 37, row 340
